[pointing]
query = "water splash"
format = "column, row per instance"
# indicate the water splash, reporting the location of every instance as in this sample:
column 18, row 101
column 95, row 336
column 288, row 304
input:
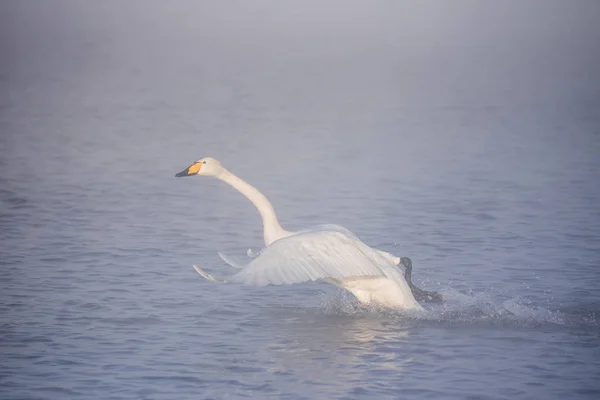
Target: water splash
column 459, row 308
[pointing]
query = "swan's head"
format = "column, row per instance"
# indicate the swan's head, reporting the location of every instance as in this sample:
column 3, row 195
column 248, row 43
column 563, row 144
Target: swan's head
column 206, row 166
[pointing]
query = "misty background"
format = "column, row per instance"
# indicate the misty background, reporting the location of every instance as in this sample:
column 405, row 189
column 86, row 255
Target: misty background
column 464, row 134
column 323, row 98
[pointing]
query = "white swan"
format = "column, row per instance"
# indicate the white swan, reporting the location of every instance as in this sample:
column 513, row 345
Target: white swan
column 329, row 253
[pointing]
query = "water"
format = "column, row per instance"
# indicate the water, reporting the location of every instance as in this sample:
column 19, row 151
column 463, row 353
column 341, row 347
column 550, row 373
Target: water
column 437, row 133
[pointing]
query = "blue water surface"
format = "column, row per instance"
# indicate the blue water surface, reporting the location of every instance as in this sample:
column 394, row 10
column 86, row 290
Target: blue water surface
column 438, row 132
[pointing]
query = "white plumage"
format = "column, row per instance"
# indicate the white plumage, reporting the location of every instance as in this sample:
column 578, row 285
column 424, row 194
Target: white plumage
column 329, row 253
column 309, row 256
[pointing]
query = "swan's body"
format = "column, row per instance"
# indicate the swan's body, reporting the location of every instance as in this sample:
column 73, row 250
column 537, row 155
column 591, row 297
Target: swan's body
column 329, row 253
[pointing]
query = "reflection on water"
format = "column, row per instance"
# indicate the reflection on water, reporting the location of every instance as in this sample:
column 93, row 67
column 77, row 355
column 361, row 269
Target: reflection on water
column 320, row 347
column 331, row 350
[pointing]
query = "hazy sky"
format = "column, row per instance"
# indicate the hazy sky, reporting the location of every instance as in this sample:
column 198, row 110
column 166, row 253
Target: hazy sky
column 487, row 53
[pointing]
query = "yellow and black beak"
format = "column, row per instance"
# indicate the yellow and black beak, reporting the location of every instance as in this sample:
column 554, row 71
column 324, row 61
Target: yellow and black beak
column 191, row 170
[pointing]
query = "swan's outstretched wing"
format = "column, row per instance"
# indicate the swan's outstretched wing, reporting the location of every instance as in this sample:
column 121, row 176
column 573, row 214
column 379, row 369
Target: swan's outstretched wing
column 313, row 255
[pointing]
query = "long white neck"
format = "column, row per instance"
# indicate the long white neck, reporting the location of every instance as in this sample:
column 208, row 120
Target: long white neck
column 271, row 228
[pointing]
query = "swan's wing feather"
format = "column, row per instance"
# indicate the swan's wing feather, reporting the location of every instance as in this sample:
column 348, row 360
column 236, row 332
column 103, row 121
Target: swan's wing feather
column 208, row 276
column 253, row 252
column 332, row 228
column 236, row 262
column 312, row 255
column 230, row 261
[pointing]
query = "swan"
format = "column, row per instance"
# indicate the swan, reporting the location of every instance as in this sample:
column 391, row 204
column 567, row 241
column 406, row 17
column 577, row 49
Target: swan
column 329, row 253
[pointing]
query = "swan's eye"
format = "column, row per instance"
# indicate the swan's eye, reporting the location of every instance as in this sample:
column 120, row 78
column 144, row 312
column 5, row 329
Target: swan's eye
column 203, row 162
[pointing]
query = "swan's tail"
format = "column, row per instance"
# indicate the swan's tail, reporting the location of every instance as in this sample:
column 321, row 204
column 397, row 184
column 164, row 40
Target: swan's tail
column 208, row 276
